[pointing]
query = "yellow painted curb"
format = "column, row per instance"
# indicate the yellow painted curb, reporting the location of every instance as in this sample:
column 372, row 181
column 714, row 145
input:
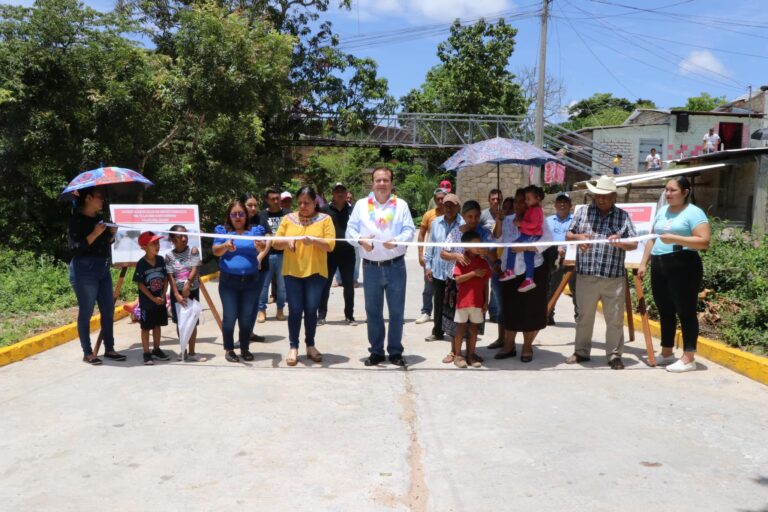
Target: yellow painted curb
column 60, row 335
column 750, row 365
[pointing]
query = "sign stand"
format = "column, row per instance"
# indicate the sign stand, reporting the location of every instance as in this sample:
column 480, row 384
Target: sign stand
column 121, row 279
column 208, row 299
column 641, row 309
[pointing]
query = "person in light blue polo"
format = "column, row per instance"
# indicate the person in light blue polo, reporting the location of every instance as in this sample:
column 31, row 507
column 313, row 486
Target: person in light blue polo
column 555, row 256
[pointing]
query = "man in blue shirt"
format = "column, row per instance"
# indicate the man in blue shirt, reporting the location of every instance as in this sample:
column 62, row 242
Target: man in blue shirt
column 435, row 267
column 555, row 256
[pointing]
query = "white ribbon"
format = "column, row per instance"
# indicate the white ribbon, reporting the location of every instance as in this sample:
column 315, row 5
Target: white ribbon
column 486, row 245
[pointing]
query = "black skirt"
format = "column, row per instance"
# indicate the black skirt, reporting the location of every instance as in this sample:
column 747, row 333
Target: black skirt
column 524, row 312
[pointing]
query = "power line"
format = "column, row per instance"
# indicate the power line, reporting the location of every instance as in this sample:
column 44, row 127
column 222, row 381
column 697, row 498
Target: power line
column 614, row 30
column 607, row 69
column 425, row 31
column 692, row 18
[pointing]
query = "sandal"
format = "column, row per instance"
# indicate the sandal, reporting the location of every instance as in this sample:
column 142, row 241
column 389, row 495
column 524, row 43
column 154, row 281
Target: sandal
column 114, row 356
column 92, row 360
column 291, row 360
column 478, row 358
column 314, row 354
column 449, row 358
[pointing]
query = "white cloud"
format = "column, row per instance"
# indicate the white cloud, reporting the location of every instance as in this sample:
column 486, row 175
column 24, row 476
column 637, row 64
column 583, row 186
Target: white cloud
column 428, row 11
column 703, row 61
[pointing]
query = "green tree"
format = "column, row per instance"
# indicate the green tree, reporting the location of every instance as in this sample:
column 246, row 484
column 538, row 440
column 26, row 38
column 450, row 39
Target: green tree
column 704, row 102
column 323, row 78
column 603, row 109
column 473, row 75
column 77, row 93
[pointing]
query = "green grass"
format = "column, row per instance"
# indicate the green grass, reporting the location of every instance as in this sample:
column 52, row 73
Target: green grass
column 35, row 294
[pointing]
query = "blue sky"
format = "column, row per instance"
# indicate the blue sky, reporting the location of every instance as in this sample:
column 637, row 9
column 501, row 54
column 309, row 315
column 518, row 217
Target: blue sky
column 666, row 52
column 676, row 51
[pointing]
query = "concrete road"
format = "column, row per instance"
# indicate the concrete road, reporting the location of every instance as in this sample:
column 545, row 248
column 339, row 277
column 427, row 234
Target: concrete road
column 339, row 436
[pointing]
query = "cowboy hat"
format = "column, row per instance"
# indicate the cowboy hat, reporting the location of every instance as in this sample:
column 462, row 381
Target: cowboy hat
column 605, row 185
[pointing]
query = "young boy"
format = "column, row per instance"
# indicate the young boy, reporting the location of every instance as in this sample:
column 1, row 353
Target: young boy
column 472, row 280
column 153, row 282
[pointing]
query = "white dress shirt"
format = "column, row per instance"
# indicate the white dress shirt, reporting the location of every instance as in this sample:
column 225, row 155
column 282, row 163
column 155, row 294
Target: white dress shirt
column 400, row 228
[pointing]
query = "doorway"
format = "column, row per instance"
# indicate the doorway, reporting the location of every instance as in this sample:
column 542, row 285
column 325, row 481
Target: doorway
column 730, row 135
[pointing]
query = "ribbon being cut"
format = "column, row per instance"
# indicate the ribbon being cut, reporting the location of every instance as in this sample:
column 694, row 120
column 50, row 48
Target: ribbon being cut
column 486, row 245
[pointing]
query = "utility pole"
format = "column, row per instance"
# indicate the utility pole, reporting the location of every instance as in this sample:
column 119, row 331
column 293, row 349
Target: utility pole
column 539, row 126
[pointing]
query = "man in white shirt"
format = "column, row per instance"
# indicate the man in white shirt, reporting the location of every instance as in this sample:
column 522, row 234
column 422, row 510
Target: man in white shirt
column 653, row 161
column 377, row 223
column 711, row 141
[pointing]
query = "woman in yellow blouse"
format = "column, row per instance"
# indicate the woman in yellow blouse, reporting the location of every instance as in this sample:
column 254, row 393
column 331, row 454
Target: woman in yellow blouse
column 305, row 269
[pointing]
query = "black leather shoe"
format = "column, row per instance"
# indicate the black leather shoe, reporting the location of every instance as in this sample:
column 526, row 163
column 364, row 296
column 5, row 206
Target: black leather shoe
column 617, row 364
column 397, row 360
column 505, row 355
column 246, row 355
column 257, row 338
column 374, row 359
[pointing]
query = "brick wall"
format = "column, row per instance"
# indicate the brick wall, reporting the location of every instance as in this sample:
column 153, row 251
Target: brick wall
column 475, row 182
column 626, row 148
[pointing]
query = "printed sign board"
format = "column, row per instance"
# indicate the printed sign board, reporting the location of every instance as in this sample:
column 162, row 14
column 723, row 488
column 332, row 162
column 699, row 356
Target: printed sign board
column 642, row 215
column 150, row 217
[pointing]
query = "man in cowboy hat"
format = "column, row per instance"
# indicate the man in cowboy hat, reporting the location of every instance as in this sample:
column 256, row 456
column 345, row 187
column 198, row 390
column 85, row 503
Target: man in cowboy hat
column 600, row 272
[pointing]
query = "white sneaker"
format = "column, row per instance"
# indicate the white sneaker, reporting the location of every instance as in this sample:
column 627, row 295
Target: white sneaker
column 424, row 318
column 665, row 360
column 679, row 366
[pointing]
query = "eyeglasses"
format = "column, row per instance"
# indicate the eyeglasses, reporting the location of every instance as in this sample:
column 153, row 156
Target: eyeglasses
column 237, row 215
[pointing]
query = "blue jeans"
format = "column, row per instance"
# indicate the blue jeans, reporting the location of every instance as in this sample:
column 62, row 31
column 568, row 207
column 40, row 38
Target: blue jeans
column 92, row 282
column 275, row 269
column 527, row 255
column 239, row 295
column 304, row 295
column 378, row 283
column 426, row 297
column 494, row 308
column 260, row 283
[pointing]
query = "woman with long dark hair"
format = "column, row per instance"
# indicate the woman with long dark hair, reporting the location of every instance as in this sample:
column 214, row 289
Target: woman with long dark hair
column 305, row 268
column 676, row 271
column 89, row 272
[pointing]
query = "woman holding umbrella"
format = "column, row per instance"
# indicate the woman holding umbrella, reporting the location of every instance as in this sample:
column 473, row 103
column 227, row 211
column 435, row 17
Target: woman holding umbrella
column 89, row 271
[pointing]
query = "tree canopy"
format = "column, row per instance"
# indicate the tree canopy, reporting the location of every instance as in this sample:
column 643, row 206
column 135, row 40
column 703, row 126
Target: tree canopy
column 704, row 102
column 603, row 109
column 473, row 76
column 197, row 112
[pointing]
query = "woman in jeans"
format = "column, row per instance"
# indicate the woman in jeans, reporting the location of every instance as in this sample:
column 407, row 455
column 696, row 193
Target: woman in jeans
column 238, row 280
column 676, row 271
column 89, row 274
column 305, row 267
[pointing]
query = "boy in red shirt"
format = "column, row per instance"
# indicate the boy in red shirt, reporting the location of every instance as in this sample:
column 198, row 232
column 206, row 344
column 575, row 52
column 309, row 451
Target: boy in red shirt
column 472, row 280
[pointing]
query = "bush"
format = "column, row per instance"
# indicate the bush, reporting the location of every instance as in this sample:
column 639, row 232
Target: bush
column 35, row 283
column 734, row 299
